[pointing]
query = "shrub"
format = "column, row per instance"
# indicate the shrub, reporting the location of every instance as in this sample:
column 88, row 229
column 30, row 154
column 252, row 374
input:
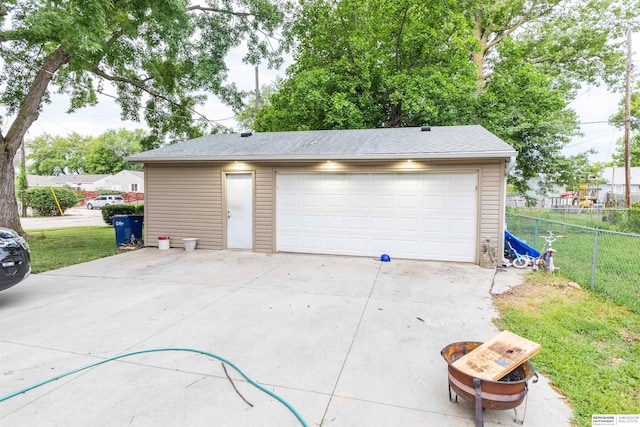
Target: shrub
column 110, row 210
column 633, row 223
column 108, row 192
column 41, row 200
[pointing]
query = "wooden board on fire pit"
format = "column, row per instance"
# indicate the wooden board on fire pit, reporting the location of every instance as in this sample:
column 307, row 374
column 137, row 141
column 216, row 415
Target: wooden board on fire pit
column 497, row 357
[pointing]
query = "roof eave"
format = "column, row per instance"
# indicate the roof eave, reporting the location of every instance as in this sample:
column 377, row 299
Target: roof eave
column 342, row 157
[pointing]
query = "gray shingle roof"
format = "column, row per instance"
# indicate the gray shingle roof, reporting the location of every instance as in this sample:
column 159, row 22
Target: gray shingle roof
column 451, row 142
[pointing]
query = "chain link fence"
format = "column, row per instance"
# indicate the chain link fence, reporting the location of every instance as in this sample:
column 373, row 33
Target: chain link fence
column 608, row 262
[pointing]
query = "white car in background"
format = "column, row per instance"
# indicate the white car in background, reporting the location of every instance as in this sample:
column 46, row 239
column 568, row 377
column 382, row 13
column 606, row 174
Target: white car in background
column 101, row 201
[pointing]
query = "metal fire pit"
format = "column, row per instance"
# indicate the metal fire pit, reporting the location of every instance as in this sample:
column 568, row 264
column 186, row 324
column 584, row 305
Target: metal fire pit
column 507, row 393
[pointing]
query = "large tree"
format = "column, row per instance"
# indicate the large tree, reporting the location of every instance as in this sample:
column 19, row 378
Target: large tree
column 77, row 154
column 57, row 155
column 162, row 57
column 511, row 65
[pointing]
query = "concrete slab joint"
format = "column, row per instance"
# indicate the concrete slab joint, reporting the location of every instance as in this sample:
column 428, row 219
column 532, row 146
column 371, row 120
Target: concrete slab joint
column 347, row 341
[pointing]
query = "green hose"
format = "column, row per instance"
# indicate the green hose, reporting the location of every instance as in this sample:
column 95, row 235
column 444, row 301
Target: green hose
column 155, row 350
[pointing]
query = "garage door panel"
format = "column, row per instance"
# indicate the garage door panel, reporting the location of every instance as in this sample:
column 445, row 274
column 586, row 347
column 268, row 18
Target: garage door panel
column 288, row 221
column 358, row 201
column 356, row 246
column 335, row 200
column 312, row 221
column 436, row 202
column 433, row 225
column 414, row 215
column 333, row 222
column 382, row 223
column 409, row 201
column 382, row 201
column 408, row 224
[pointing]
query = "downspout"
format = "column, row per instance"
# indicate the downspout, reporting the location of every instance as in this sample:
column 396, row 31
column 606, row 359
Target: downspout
column 509, row 165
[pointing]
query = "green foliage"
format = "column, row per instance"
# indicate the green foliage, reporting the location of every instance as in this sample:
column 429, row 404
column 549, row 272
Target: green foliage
column 108, row 192
column 633, row 222
column 366, row 64
column 76, row 154
column 53, row 249
column 42, row 201
column 56, row 155
column 634, row 125
column 163, row 58
column 105, row 154
column 510, row 66
column 110, row 210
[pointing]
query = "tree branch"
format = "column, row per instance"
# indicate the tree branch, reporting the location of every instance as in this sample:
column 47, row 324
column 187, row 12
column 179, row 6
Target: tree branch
column 133, row 82
column 140, row 85
column 224, row 11
column 501, row 34
column 399, row 37
column 29, row 110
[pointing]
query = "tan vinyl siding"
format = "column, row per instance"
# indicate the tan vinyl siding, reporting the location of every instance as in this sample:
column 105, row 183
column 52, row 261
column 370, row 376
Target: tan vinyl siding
column 491, row 182
column 183, row 201
column 264, row 210
column 187, row 200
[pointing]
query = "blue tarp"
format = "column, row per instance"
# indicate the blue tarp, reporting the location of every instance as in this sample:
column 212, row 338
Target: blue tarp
column 519, row 245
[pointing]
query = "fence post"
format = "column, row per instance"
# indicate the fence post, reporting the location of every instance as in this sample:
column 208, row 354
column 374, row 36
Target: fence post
column 535, row 234
column 594, row 260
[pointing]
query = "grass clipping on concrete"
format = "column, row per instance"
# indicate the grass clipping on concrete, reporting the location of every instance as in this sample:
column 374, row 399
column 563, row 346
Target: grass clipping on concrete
column 590, row 345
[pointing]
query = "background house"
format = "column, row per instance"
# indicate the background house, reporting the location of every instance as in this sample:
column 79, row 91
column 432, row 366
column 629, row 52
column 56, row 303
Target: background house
column 127, row 181
column 124, row 181
column 42, row 181
column 614, row 187
column 75, row 182
column 422, row 193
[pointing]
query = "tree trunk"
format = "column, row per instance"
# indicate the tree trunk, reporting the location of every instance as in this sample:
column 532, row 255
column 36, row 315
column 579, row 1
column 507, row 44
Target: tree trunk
column 478, row 61
column 478, row 56
column 8, row 204
column 9, row 144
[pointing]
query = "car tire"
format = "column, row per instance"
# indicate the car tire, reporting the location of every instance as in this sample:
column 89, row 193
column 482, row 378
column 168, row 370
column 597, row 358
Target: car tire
column 89, row 206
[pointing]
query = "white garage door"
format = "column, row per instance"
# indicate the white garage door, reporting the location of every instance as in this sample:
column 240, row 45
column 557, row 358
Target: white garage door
column 417, row 215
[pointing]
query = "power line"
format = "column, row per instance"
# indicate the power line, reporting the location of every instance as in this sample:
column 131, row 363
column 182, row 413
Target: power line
column 101, row 92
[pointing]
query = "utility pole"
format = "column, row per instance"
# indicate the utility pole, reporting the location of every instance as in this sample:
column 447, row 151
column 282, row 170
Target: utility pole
column 627, row 127
column 257, row 91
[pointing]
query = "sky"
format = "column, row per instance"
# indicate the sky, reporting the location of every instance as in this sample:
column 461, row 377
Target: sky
column 594, row 106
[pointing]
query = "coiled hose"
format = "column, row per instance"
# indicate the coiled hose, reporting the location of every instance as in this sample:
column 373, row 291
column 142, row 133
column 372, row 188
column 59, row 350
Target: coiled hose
column 156, row 350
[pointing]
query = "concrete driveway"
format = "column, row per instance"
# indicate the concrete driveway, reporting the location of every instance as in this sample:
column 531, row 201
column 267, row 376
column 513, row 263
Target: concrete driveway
column 346, row 341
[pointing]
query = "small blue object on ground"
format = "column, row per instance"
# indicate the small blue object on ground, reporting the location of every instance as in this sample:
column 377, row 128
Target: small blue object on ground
column 385, row 258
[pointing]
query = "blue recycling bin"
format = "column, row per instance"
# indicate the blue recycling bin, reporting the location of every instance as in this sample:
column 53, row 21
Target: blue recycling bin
column 127, row 226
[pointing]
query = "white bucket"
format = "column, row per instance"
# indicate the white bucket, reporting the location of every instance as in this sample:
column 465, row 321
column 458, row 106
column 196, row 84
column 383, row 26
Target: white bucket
column 164, row 243
column 189, row 243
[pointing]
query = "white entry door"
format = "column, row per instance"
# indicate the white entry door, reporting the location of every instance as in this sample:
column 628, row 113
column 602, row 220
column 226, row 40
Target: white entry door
column 240, row 211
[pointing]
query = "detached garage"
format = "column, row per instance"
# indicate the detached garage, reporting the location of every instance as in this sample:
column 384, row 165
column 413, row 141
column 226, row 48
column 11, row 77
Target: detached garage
column 420, row 193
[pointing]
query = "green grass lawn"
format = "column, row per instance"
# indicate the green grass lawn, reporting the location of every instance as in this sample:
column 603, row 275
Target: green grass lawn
column 617, row 268
column 607, row 219
column 56, row 248
column 590, row 345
